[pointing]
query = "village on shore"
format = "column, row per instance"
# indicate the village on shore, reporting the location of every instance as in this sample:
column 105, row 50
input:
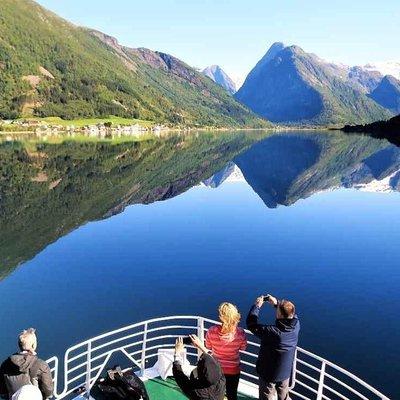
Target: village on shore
column 98, row 130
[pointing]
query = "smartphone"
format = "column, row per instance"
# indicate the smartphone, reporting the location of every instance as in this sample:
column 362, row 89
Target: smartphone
column 187, row 341
column 267, row 297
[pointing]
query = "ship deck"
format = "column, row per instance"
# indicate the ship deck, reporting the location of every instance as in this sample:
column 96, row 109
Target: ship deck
column 159, row 389
column 141, row 345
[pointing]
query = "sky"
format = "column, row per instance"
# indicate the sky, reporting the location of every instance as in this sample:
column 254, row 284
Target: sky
column 235, row 34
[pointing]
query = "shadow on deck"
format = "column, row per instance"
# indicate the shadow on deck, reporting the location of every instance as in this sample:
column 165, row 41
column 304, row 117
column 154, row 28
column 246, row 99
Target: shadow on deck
column 168, row 390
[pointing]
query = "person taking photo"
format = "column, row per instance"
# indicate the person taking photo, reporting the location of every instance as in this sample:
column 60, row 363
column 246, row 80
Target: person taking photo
column 206, row 381
column 278, row 347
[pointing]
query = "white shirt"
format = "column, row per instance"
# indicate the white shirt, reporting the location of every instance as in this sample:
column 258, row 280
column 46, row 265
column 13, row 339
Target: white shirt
column 27, row 392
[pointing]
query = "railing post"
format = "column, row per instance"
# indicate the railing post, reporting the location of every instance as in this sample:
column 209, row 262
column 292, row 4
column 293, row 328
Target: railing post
column 88, row 369
column 294, row 369
column 200, row 332
column 143, row 357
column 55, row 381
column 321, row 381
column 56, row 377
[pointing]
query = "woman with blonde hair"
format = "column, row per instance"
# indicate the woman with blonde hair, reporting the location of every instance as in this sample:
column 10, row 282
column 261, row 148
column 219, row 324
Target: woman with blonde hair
column 225, row 342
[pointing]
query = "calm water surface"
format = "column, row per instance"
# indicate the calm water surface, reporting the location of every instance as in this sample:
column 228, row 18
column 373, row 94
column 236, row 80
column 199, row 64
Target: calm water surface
column 312, row 217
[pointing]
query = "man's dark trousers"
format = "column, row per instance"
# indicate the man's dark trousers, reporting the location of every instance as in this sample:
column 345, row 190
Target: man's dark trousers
column 273, row 391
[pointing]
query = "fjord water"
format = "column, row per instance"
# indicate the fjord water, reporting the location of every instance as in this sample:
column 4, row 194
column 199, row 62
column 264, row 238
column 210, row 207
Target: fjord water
column 96, row 235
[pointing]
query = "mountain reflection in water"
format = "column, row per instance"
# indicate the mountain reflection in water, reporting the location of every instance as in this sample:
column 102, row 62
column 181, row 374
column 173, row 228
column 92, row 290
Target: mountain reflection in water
column 287, row 167
column 48, row 189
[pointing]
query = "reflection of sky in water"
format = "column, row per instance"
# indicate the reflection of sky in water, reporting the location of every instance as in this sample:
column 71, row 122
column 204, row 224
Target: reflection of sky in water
column 335, row 254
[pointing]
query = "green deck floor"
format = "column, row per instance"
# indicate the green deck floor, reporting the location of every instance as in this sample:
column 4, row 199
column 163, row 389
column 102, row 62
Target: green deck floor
column 168, row 390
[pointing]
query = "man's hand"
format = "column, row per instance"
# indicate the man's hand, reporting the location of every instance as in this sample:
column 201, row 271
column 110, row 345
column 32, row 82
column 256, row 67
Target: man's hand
column 259, row 301
column 198, row 343
column 179, row 347
column 272, row 300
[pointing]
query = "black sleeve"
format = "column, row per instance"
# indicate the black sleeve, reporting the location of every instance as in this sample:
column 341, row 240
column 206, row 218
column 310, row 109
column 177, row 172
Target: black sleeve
column 3, row 387
column 182, row 380
column 259, row 330
column 45, row 378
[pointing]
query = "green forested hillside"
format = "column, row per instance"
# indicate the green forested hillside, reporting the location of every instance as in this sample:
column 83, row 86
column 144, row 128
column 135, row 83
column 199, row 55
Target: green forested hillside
column 49, row 67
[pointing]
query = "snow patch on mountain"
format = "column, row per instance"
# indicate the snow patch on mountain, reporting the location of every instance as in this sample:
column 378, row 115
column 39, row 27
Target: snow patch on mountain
column 385, row 68
column 384, row 185
column 231, row 173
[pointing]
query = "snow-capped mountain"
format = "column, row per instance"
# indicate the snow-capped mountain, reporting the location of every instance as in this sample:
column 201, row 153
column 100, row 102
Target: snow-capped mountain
column 218, row 75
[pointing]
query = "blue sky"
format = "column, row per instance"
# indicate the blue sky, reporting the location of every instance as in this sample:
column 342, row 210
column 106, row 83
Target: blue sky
column 235, row 33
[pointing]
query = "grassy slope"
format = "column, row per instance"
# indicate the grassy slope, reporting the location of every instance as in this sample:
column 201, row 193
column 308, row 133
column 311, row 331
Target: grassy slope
column 90, row 80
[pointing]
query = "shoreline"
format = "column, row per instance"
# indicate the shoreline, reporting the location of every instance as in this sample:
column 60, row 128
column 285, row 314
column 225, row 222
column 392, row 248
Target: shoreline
column 117, row 125
column 136, row 130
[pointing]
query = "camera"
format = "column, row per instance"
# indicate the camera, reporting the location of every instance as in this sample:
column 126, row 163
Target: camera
column 187, row 341
column 266, row 297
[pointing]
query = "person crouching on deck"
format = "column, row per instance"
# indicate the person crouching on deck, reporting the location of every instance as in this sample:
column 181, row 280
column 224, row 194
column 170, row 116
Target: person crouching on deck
column 225, row 342
column 206, row 382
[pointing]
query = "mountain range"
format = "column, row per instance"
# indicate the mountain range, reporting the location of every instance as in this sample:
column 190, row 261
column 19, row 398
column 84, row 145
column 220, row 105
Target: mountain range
column 289, row 85
column 50, row 67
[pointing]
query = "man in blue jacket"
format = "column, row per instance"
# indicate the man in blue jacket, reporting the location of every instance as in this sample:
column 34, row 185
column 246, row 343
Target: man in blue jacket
column 278, row 347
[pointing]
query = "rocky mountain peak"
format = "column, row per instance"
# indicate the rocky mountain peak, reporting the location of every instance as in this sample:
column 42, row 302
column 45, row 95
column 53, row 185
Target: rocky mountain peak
column 219, row 76
column 387, row 93
column 289, row 85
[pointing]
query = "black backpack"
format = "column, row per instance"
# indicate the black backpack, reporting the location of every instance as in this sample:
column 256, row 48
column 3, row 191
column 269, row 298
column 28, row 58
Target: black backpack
column 118, row 385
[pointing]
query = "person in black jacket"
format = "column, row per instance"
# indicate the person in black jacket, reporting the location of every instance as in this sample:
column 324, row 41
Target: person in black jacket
column 25, row 368
column 278, row 347
column 206, row 382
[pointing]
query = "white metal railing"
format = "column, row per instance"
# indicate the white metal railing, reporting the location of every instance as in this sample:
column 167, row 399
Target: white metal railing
column 137, row 346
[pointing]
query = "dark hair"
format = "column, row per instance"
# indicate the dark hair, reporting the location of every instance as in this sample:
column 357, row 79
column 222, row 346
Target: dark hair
column 287, row 309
